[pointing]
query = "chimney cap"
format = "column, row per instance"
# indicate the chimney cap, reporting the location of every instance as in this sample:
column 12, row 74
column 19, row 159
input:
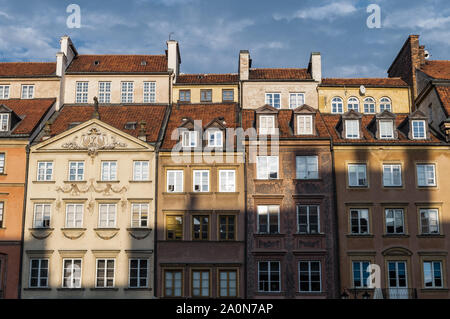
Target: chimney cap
column 244, row 51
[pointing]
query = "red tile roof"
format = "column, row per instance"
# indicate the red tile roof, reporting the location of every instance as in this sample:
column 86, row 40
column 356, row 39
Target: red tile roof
column 383, row 82
column 279, row 74
column 116, row 116
column 27, row 69
column 118, row 64
column 437, row 69
column 444, row 95
column 207, row 78
column 332, row 121
column 200, row 112
column 31, row 111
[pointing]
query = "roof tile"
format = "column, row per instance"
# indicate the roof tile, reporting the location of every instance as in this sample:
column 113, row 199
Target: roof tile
column 437, row 69
column 279, row 74
column 118, row 64
column 27, row 69
column 207, row 78
column 383, row 82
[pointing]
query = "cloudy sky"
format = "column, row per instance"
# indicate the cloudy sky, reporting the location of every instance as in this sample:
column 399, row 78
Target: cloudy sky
column 278, row 33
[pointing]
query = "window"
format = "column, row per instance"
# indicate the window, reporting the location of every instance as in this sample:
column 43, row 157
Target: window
column 227, row 181
column 269, row 276
column 105, row 273
column 201, row 181
column 337, row 106
column 71, row 273
column 215, row 138
column 138, row 275
column 107, row 216
column 352, row 129
column 369, row 105
column 296, row 100
column 206, row 95
column 353, row 104
column 418, row 130
column 200, row 227
column 174, row 227
column 41, row 216
column 189, row 139
column 308, row 220
column 274, row 100
column 267, row 167
column 307, row 167
column 174, row 181
column 104, row 92
column 127, row 92
column 173, row 283
column 4, row 92
column 45, row 171
column 200, row 283
column 429, row 221
column 76, row 171
column 109, row 171
column 426, row 175
column 149, row 92
column 432, row 274
column 395, row 223
column 267, row 124
column 140, row 170
column 227, row 227
column 392, row 175
column 310, row 276
column 385, row 104
column 359, row 221
column 2, row 210
column 82, row 92
column 227, row 283
column 304, row 124
column 185, row 96
column 38, row 273
column 228, row 95
column 386, row 129
column 139, row 215
column 360, row 274
column 4, row 122
column 268, row 219
column 2, row 163
column 357, row 176
column 27, row 91
column 74, row 215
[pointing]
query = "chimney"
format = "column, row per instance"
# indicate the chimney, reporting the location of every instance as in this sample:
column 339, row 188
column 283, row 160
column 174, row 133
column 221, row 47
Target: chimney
column 68, row 49
column 245, row 63
column 96, row 114
column 173, row 57
column 142, row 131
column 315, row 66
column 445, row 128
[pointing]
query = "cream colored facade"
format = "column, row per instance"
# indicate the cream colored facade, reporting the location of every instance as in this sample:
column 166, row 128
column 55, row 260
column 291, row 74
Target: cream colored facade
column 43, row 87
column 90, row 240
column 196, row 89
column 400, row 97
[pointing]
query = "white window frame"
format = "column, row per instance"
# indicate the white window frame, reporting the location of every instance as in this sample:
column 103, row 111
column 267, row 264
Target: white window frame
column 2, row 163
column 39, row 272
column 267, row 130
column 78, row 216
column 217, row 134
column 394, row 211
column 269, row 275
column 309, row 161
column 43, row 215
column 386, row 129
column 414, row 136
column 361, row 212
column 337, row 105
column 352, row 102
column 138, row 271
column 4, row 92
column 176, row 189
column 141, row 170
column 296, row 99
column 111, row 211
column 361, row 270
column 2, row 214
column 266, row 212
column 189, row 139
column 385, row 104
column 150, row 92
column 81, row 92
column 302, row 129
column 4, row 122
column 140, row 211
column 388, row 175
column 105, row 277
column 126, row 92
column 27, row 91
column 48, row 165
column 111, row 173
column 352, row 130
column 432, row 272
column 72, row 275
column 357, row 171
column 309, row 262
column 198, row 179
column 370, row 106
column 78, row 165
column 226, row 187
column 308, row 215
column 422, row 175
column 428, row 211
column 270, row 162
column 104, row 92
column 271, row 98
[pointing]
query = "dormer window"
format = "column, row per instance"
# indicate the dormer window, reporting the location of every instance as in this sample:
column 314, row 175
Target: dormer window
column 385, row 104
column 27, row 91
column 352, row 129
column 4, row 122
column 189, row 139
column 267, row 124
column 369, row 105
column 418, row 129
column 215, row 139
column 386, row 129
column 336, row 105
column 304, row 124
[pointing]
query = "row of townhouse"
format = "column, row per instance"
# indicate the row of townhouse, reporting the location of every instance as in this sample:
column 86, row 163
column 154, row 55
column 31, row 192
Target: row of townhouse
column 121, row 177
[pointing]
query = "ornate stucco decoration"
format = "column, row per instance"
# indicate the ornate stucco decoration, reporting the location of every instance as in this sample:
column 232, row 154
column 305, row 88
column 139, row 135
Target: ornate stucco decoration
column 106, row 233
column 76, row 190
column 73, row 233
column 93, row 141
column 41, row 233
column 139, row 233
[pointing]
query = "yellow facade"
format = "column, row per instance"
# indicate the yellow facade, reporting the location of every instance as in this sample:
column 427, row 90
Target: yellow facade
column 399, row 97
column 196, row 89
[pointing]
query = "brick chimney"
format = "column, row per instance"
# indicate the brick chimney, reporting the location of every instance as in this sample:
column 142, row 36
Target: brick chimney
column 315, row 66
column 245, row 63
column 173, row 57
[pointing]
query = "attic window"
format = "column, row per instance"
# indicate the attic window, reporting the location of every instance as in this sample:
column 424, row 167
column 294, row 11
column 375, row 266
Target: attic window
column 4, row 122
column 73, row 124
column 143, row 63
column 130, row 125
column 418, row 130
column 96, row 62
column 386, row 129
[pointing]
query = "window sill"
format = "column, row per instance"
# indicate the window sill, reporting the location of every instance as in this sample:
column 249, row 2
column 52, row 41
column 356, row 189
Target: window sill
column 104, row 289
column 174, row 193
column 44, row 182
column 395, row 236
column 434, row 289
column 431, row 236
column 41, row 229
column 358, row 187
column 267, row 180
column 299, row 180
column 146, row 181
column 106, row 229
column 74, row 182
column 107, row 182
column 138, row 289
column 70, row 229
column 70, row 289
column 360, row 236
column 3, row 174
column 226, row 193
column 201, row 193
column 37, row 289
column 268, row 235
column 309, row 235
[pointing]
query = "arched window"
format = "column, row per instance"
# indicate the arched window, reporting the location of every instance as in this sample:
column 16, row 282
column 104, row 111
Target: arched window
column 337, row 106
column 353, row 104
column 369, row 105
column 385, row 104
